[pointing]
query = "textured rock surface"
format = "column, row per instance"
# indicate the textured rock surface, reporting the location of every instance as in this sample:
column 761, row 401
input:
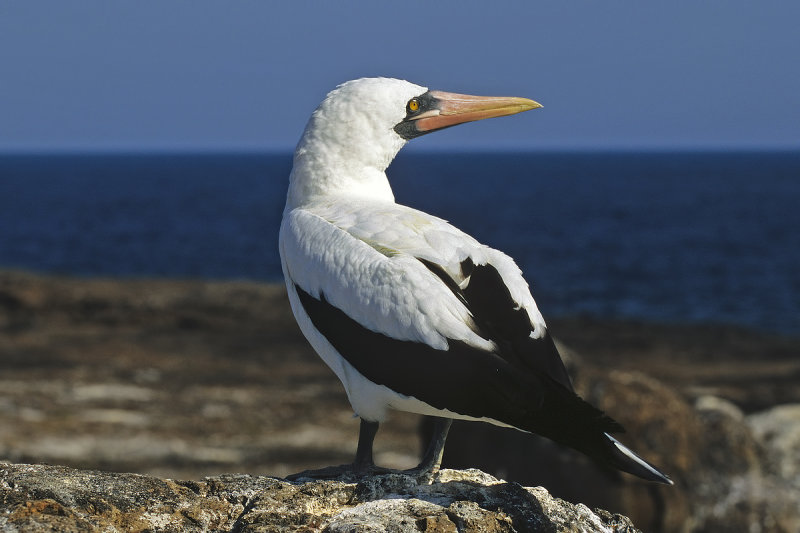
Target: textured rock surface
column 51, row 498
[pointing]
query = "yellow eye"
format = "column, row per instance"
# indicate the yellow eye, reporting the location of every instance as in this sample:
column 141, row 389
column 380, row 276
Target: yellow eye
column 413, row 105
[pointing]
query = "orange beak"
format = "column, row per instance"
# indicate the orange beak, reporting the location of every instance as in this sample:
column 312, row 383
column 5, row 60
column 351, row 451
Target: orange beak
column 451, row 109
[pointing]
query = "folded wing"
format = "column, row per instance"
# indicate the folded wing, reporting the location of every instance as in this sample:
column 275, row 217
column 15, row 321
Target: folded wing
column 453, row 326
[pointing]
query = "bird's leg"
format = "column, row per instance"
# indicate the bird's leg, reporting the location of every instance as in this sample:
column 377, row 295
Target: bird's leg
column 366, row 437
column 432, row 460
column 363, row 463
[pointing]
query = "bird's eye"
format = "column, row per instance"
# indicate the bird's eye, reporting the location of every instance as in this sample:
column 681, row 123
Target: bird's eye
column 413, row 105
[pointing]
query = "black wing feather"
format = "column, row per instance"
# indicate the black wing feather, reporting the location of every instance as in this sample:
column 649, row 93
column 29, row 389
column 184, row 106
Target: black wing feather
column 463, row 379
column 500, row 319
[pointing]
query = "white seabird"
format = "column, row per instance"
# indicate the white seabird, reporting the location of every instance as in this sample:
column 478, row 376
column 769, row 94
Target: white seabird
column 410, row 312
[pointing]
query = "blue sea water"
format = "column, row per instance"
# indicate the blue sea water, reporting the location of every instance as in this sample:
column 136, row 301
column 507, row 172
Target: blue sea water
column 671, row 237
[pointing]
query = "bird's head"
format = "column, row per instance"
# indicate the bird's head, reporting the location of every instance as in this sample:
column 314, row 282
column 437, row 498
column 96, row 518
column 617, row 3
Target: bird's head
column 362, row 124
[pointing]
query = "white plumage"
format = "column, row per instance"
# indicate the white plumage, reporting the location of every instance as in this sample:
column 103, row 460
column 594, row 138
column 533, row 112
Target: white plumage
column 343, row 235
column 400, row 281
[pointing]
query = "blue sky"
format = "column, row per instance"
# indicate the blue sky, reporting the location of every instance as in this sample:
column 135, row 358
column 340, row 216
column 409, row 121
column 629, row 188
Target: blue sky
column 245, row 75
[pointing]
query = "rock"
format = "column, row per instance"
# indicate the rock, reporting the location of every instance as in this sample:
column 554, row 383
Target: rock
column 54, row 498
column 779, row 431
column 719, row 465
column 724, row 407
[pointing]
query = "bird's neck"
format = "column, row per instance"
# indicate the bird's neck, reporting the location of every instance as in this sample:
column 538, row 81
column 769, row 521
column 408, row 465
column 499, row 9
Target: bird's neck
column 324, row 175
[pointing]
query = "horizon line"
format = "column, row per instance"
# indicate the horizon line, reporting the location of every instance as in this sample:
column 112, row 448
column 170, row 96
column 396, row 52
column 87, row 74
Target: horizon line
column 483, row 150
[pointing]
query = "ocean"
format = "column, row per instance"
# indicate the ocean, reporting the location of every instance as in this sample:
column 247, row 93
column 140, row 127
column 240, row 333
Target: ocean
column 686, row 237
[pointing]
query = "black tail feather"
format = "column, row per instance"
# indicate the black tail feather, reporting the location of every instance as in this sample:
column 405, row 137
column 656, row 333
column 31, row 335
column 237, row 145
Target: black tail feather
column 623, row 458
column 568, row 419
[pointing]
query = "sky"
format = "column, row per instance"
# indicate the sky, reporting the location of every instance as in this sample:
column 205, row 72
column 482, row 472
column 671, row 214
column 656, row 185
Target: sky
column 213, row 75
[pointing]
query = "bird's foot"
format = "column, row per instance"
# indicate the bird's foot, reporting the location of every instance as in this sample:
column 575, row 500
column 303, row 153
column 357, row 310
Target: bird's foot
column 348, row 471
column 364, row 466
column 355, row 472
column 422, row 473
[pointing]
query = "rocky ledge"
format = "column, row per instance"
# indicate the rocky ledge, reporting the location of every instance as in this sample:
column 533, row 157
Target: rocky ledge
column 54, row 498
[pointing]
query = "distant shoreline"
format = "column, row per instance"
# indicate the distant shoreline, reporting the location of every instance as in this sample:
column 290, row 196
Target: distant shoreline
column 8, row 274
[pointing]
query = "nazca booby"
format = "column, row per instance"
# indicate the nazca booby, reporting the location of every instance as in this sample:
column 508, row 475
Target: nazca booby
column 408, row 311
